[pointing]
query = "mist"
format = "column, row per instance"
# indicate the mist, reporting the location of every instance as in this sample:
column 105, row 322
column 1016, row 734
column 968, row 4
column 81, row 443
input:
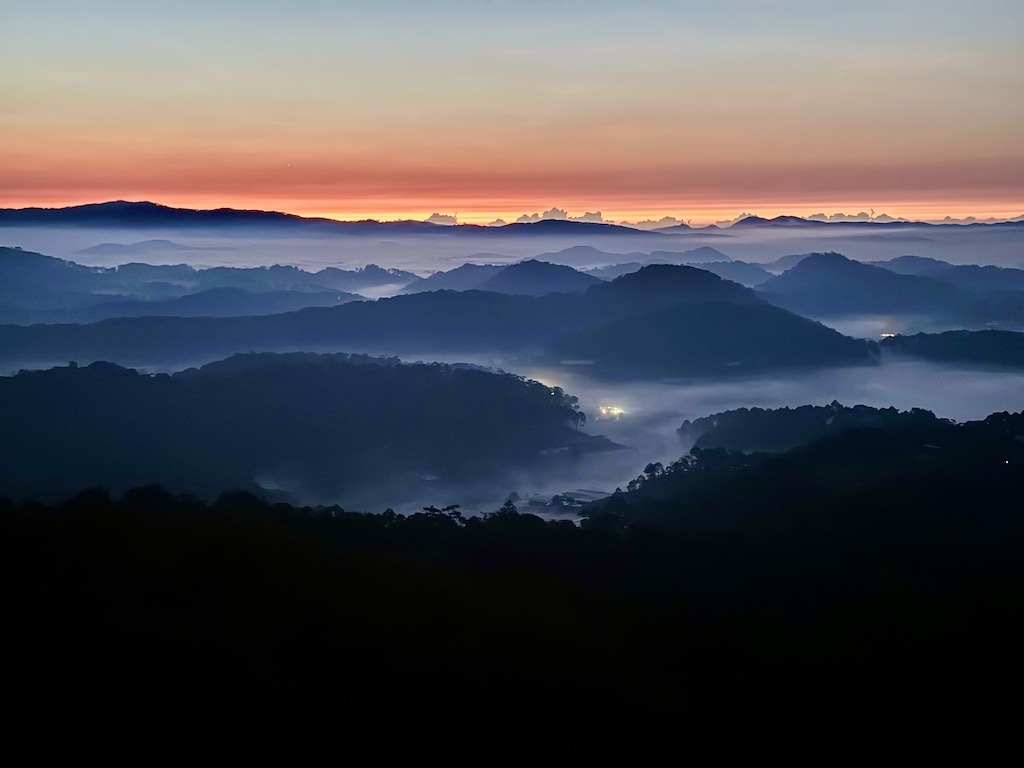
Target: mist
column 247, row 246
column 652, row 411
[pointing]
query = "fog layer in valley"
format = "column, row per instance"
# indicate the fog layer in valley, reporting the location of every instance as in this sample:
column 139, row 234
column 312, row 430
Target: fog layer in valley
column 653, row 411
column 251, row 246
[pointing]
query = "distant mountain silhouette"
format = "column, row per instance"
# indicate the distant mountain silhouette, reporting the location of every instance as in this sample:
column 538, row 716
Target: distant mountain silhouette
column 783, row 263
column 703, row 255
column 320, row 425
column 778, row 221
column 143, row 246
column 39, row 288
column 586, row 256
column 561, row 226
column 581, row 256
column 970, row 277
column 464, row 278
column 536, row 278
column 212, row 302
column 355, row 280
column 144, row 214
column 613, row 271
column 751, row 274
column 740, row 272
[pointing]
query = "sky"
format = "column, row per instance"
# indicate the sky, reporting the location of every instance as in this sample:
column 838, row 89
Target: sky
column 486, row 109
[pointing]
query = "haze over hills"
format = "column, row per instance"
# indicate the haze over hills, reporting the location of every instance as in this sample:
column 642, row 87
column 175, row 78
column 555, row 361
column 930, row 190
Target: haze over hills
column 144, row 214
column 584, row 255
column 971, row 277
column 829, row 284
column 251, row 238
column 128, row 249
column 536, row 278
column 696, row 307
column 464, row 278
column 530, row 277
column 341, row 423
column 211, row 302
column 38, row 288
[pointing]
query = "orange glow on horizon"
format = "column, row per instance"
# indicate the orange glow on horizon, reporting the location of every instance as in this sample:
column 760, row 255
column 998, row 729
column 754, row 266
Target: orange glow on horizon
column 418, row 210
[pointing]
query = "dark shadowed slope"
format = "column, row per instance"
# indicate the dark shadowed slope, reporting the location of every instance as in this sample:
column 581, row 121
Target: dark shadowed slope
column 909, row 472
column 319, row 425
column 31, row 280
column 831, row 285
column 456, row 321
column 780, row 429
column 999, row 348
column 695, row 323
column 711, row 338
column 536, row 278
column 664, row 320
column 263, row 631
column 213, row 302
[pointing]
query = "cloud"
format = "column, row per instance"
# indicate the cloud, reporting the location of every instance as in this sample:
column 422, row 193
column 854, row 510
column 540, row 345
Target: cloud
column 498, row 223
column 664, row 221
column 594, row 217
column 727, row 222
column 862, row 216
column 554, row 213
column 442, row 218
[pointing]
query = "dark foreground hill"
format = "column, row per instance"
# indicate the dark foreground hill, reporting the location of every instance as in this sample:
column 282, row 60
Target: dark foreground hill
column 825, row 615
column 928, row 463
column 662, row 320
column 320, row 426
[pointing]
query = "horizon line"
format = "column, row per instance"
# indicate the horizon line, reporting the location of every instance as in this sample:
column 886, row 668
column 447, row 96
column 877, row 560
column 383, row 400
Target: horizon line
column 644, row 222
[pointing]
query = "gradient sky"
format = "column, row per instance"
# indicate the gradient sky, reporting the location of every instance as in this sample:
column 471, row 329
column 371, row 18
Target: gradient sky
column 637, row 109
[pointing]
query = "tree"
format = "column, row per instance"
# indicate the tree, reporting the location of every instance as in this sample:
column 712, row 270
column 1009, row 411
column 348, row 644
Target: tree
column 506, row 509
